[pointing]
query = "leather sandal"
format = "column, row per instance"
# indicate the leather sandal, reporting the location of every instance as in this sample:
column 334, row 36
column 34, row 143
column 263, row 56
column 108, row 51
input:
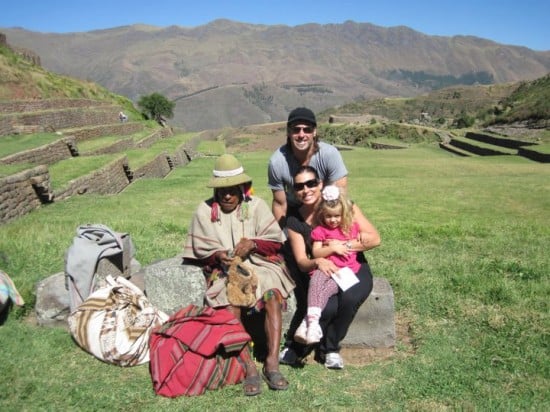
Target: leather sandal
column 275, row 380
column 251, row 385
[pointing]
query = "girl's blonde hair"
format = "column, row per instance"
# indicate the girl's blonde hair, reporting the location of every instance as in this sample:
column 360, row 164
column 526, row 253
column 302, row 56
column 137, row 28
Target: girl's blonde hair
column 333, row 198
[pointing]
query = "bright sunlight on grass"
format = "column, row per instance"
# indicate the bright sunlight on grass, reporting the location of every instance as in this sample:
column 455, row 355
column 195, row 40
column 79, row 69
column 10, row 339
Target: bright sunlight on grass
column 464, row 246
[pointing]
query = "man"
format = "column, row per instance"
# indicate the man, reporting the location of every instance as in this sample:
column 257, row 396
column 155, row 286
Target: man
column 233, row 223
column 302, row 148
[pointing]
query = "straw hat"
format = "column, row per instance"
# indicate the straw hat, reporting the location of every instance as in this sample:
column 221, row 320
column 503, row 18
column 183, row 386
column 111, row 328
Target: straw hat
column 228, row 171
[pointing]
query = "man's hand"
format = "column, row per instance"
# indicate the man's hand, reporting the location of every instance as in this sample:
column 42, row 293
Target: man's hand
column 223, row 258
column 244, row 248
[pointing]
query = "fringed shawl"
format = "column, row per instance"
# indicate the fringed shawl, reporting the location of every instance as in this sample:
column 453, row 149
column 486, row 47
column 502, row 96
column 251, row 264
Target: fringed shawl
column 206, row 237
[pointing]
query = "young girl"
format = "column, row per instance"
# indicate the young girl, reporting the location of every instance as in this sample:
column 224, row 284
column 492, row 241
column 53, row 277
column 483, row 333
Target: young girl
column 332, row 236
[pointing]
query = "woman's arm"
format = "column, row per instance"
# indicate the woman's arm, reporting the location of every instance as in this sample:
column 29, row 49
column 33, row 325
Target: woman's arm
column 368, row 238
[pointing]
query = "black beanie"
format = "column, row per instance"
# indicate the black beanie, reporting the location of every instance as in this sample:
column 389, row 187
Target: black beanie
column 301, row 113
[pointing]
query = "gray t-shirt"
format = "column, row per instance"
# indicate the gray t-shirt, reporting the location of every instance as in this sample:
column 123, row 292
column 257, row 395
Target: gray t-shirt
column 283, row 166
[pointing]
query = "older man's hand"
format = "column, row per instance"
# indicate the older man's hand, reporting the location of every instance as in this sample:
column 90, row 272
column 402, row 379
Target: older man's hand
column 244, row 248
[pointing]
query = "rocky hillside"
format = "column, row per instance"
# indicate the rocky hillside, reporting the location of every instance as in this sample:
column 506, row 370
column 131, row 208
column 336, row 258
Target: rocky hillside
column 524, row 102
column 23, row 78
column 229, row 74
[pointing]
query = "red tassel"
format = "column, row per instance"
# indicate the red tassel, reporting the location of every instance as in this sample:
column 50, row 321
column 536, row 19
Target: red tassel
column 215, row 212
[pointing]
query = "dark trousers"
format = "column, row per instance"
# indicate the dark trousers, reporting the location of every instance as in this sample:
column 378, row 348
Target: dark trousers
column 338, row 314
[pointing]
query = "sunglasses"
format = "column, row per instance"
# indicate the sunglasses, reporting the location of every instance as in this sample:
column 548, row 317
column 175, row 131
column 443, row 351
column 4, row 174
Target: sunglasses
column 297, row 129
column 308, row 183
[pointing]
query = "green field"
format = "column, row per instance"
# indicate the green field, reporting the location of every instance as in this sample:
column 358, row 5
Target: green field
column 464, row 245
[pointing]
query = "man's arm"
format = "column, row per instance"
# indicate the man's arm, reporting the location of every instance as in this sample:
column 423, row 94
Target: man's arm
column 342, row 183
column 278, row 206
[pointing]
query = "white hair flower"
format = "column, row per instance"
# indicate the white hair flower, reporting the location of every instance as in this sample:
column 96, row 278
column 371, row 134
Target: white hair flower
column 330, row 192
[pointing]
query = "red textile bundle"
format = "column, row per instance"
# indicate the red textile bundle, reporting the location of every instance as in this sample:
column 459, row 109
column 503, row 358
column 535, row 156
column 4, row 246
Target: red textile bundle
column 197, row 349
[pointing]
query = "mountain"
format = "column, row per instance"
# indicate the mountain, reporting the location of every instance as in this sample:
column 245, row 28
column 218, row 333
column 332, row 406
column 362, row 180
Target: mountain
column 227, row 73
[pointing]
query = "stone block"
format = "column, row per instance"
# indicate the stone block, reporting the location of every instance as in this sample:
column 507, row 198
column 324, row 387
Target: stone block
column 171, row 285
column 289, row 313
column 52, row 301
column 118, row 264
column 374, row 323
column 52, row 297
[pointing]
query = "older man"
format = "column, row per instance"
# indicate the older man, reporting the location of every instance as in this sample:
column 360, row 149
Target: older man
column 233, row 223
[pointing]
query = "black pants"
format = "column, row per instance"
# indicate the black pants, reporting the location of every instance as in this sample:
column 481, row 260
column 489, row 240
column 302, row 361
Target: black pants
column 337, row 316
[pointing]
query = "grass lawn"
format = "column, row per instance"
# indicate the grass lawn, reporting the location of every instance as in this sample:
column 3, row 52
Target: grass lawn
column 7, row 170
column 541, row 148
column 464, row 246
column 17, row 143
column 62, row 172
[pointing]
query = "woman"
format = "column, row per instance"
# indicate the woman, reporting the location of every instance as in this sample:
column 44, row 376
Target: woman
column 341, row 308
column 234, row 224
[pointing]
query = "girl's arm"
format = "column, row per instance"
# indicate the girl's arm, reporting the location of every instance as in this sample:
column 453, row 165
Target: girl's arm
column 320, row 249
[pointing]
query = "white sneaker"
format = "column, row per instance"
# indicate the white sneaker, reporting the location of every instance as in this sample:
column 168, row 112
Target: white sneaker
column 314, row 333
column 333, row 360
column 301, row 333
column 288, row 357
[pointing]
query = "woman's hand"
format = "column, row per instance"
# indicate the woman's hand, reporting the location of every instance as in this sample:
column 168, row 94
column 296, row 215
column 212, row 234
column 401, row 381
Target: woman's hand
column 326, row 266
column 339, row 247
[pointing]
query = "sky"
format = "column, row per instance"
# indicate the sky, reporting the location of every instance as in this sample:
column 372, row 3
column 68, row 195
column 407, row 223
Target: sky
column 510, row 22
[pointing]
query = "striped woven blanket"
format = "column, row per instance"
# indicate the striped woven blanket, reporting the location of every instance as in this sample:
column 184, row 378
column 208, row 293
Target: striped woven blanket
column 114, row 323
column 198, row 349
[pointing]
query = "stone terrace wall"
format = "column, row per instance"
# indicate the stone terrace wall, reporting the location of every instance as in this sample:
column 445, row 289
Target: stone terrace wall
column 118, row 146
column 18, row 106
column 6, row 126
column 534, row 155
column 154, row 137
column 65, row 118
column 497, row 141
column 119, row 129
column 18, row 195
column 159, row 167
column 129, row 143
column 110, row 179
column 481, row 151
column 383, row 146
column 192, row 145
column 180, row 157
column 47, row 154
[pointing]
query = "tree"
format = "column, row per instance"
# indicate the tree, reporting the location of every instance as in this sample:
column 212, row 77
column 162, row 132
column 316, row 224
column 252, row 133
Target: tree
column 464, row 121
column 156, row 106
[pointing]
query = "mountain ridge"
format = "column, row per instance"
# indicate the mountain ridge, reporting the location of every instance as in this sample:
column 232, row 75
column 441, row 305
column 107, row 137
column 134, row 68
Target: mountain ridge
column 256, row 73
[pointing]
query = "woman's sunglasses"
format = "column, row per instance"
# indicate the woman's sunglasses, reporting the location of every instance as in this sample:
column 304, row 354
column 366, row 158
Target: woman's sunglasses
column 308, row 183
